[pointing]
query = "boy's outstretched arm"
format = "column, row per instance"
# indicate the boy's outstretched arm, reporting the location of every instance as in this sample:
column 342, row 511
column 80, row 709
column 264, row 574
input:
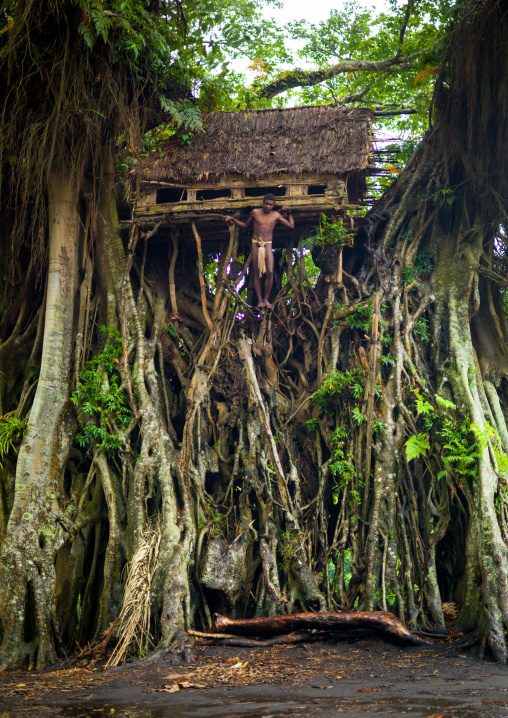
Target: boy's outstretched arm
column 239, row 222
column 289, row 222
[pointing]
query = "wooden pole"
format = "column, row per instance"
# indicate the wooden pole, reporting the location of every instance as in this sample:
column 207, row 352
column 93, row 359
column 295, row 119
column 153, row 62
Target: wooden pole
column 339, row 269
column 201, row 278
column 171, row 277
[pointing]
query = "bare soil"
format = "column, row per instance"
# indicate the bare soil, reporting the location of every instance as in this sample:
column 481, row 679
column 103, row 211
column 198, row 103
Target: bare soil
column 351, row 678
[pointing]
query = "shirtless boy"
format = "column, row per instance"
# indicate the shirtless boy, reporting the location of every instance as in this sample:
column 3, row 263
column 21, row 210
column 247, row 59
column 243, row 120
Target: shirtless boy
column 264, row 220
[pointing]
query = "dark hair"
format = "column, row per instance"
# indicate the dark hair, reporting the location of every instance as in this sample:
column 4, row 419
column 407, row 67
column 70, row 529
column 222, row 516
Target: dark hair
column 270, row 197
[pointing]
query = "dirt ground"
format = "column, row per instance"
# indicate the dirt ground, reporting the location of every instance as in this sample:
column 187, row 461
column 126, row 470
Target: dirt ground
column 352, row 678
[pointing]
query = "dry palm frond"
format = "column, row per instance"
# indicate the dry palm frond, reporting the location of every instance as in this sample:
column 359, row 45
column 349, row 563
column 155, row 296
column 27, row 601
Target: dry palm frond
column 450, row 613
column 96, row 650
column 134, row 618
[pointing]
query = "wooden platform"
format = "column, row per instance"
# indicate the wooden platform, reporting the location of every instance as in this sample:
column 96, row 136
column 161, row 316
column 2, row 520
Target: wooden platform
column 306, row 195
column 213, row 210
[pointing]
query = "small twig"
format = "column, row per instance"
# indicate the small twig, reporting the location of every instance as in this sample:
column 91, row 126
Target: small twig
column 201, row 634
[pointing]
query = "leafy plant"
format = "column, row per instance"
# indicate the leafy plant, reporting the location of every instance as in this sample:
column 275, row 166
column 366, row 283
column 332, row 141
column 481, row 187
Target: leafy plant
column 348, row 573
column 101, row 401
column 343, row 468
column 331, row 234
column 417, row 446
column 338, row 383
column 219, row 525
column 462, row 442
column 215, row 519
column 408, row 275
column 362, row 318
column 423, row 406
column 443, row 196
column 12, row 430
column 423, row 264
column 358, row 417
column 445, row 403
column 391, row 598
column 422, row 329
column 490, row 434
column 461, row 456
column 312, row 424
column 184, row 112
column 288, row 545
column 387, row 359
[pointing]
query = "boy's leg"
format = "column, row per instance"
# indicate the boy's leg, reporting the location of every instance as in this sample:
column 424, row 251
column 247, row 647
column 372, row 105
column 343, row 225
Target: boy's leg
column 268, row 275
column 255, row 270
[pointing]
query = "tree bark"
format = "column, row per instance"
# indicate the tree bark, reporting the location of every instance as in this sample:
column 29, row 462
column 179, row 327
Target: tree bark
column 381, row 622
column 27, row 575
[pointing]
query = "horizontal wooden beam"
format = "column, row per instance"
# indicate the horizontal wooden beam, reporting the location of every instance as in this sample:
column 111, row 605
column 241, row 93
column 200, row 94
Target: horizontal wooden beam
column 224, row 205
column 235, row 181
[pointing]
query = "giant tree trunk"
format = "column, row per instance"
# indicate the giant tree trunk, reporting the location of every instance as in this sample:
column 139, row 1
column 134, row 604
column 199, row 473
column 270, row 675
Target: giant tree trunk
column 27, row 574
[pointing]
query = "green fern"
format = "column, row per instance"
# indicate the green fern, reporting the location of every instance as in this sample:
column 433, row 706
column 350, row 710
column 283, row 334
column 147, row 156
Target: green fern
column 88, row 34
column 417, row 446
column 423, row 406
column 462, row 458
column 185, row 114
column 102, row 406
column 445, row 404
column 490, row 434
column 102, row 23
column 11, row 430
column 461, row 461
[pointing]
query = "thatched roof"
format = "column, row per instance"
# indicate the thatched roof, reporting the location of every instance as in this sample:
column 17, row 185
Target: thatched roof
column 253, row 143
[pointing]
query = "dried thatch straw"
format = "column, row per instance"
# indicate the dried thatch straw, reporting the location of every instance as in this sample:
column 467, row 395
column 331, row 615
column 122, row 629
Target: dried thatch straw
column 134, row 618
column 254, row 143
column 451, row 613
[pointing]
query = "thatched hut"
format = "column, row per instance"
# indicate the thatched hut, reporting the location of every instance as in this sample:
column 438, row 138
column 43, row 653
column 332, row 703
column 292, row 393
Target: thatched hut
column 313, row 159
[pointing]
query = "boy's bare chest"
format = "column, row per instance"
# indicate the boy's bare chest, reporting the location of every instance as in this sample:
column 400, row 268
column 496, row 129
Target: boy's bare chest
column 264, row 222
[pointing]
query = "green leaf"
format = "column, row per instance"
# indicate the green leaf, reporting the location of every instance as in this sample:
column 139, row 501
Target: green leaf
column 417, row 446
column 11, row 430
column 423, row 406
column 358, row 417
column 445, row 404
column 88, row 34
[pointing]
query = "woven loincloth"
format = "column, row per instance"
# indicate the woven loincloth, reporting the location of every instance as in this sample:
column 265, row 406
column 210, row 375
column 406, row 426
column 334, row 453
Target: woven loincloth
column 261, row 254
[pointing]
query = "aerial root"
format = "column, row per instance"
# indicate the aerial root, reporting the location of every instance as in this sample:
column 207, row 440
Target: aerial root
column 381, row 622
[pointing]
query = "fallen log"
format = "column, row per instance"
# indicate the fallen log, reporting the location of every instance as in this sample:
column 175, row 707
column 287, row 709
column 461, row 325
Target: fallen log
column 238, row 642
column 381, row 622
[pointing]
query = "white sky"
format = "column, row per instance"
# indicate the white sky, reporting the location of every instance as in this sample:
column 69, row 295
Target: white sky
column 311, row 10
column 315, row 10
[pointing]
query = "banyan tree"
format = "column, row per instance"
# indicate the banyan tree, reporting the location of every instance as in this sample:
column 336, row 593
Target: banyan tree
column 347, row 449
